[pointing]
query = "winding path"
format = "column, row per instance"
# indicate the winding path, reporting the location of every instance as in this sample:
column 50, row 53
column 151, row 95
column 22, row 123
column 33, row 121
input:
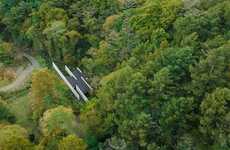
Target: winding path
column 190, row 3
column 23, row 76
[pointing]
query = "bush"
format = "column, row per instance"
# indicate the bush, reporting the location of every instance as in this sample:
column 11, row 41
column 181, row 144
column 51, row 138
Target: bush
column 5, row 114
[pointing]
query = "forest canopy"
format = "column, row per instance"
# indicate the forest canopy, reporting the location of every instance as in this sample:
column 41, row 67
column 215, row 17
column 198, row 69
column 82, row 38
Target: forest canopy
column 160, row 70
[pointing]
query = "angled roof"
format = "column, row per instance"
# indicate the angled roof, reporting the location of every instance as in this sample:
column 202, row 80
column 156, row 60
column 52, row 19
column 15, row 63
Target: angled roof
column 76, row 81
column 77, row 73
column 72, row 81
column 80, row 83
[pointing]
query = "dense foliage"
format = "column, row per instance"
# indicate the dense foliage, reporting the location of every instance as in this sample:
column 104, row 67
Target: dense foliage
column 160, row 70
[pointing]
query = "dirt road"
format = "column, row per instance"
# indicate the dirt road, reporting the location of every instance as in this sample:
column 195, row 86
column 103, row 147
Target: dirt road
column 22, row 78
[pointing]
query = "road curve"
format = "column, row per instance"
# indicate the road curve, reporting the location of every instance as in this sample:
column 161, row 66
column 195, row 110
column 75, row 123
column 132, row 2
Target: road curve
column 22, row 78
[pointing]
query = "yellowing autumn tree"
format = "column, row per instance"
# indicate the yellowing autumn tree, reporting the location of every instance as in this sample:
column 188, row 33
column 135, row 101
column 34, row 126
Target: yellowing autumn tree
column 14, row 137
column 43, row 91
column 72, row 142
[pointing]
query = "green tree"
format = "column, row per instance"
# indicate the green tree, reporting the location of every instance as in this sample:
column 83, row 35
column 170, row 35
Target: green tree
column 59, row 118
column 177, row 118
column 136, row 131
column 5, row 114
column 212, row 71
column 215, row 118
